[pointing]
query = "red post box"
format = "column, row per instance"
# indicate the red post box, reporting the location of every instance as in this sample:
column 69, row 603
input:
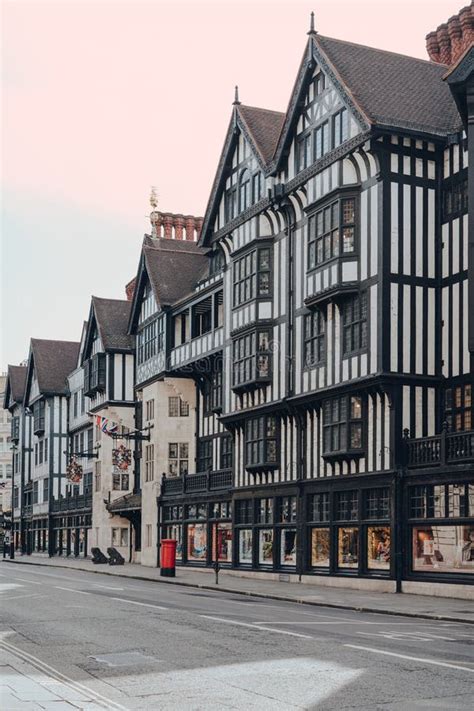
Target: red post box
column 168, row 558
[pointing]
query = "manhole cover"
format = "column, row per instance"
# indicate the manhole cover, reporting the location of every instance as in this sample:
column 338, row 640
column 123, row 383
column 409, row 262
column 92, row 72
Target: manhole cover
column 124, row 659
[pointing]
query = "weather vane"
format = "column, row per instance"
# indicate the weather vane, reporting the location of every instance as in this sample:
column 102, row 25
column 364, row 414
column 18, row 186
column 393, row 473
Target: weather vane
column 153, row 197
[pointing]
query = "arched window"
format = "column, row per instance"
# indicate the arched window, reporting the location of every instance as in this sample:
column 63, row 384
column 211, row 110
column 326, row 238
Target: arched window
column 244, row 190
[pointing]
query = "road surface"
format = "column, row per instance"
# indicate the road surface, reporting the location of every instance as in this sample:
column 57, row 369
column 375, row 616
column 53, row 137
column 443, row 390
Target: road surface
column 77, row 640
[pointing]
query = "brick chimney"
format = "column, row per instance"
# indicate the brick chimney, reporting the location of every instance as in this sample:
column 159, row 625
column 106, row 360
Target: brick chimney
column 130, row 289
column 451, row 39
column 167, row 225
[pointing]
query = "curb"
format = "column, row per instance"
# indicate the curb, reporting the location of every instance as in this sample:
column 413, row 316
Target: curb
column 247, row 593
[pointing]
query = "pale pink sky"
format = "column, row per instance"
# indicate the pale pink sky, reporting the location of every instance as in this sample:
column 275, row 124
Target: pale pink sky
column 104, row 98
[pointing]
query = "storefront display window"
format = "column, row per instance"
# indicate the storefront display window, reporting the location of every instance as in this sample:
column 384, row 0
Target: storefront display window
column 348, row 547
column 320, row 547
column 245, row 546
column 443, row 549
column 175, row 532
column 288, row 546
column 265, row 546
column 197, row 541
column 222, row 532
column 378, row 548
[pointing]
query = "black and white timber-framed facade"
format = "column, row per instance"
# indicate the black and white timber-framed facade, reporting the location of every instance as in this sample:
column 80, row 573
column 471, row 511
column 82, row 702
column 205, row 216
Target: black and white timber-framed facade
column 302, row 359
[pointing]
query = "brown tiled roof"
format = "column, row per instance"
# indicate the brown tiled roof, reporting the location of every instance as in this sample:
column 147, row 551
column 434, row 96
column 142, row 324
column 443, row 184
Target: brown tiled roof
column 54, row 361
column 393, row 89
column 173, row 269
column 112, row 317
column 264, row 126
column 17, row 380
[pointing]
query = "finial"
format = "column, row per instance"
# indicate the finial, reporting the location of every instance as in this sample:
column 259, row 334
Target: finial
column 236, row 97
column 312, row 31
column 153, row 197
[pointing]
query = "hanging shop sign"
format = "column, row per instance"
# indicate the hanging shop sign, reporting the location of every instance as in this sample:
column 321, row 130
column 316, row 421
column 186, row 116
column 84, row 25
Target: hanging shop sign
column 122, row 457
column 74, row 471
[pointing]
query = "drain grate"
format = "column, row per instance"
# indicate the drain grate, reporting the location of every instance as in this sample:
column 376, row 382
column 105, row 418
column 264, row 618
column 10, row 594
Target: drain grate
column 124, row 659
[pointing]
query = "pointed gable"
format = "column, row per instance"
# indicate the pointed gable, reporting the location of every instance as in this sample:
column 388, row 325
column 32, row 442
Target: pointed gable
column 49, row 364
column 108, row 327
column 15, row 385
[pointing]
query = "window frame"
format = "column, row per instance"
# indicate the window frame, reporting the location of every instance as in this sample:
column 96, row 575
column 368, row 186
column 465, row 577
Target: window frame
column 258, row 439
column 314, row 340
column 357, row 325
column 246, row 272
column 344, row 424
column 317, row 231
column 247, row 354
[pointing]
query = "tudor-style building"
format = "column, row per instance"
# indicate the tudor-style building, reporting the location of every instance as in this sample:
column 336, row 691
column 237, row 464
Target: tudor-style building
column 46, row 397
column 323, row 338
column 107, row 360
column 21, row 440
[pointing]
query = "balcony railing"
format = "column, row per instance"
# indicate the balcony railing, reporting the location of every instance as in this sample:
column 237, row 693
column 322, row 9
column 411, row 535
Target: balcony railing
column 199, row 482
column 439, row 450
column 72, row 503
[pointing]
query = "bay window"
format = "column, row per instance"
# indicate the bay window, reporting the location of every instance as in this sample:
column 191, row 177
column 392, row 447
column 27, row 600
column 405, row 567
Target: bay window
column 354, row 323
column 314, row 338
column 251, row 358
column 331, row 231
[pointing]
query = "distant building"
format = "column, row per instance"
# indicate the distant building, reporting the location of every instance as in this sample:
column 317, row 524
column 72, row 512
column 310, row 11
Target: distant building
column 6, row 468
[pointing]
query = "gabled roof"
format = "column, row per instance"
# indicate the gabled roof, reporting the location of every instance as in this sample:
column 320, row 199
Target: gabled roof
column 15, row 385
column 52, row 361
column 174, row 268
column 264, row 127
column 111, row 317
column 393, row 89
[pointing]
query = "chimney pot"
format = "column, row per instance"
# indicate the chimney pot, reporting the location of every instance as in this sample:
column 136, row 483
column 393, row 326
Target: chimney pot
column 178, row 226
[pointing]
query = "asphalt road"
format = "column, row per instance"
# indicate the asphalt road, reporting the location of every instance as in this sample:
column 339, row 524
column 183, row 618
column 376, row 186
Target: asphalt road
column 71, row 639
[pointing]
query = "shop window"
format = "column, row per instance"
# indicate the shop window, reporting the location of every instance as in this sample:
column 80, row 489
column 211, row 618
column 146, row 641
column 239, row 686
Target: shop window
column 198, row 511
column 378, row 548
column 418, row 502
column 244, row 510
column 172, row 513
column 261, row 437
column 251, row 276
column 348, row 547
column 175, row 532
column 197, row 541
column 221, row 509
column 320, row 547
column 265, row 546
column 443, row 549
column 342, row 425
column 315, row 338
column 222, row 542
column 354, row 323
column 377, row 503
column 226, row 452
column 319, row 507
column 288, row 546
column 178, row 458
column 265, row 511
column 347, row 506
column 287, row 509
column 458, row 408
column 251, row 358
column 245, row 537
column 204, row 461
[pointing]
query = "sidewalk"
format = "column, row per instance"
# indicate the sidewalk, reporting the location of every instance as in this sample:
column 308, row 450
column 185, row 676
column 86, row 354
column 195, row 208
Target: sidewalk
column 422, row 606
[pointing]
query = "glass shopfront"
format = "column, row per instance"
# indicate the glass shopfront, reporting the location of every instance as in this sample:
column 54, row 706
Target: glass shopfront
column 378, row 547
column 245, row 537
column 197, row 542
column 443, row 549
column 265, row 546
column 175, row 532
column 288, row 546
column 348, row 547
column 320, row 547
column 222, row 533
column 442, row 528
